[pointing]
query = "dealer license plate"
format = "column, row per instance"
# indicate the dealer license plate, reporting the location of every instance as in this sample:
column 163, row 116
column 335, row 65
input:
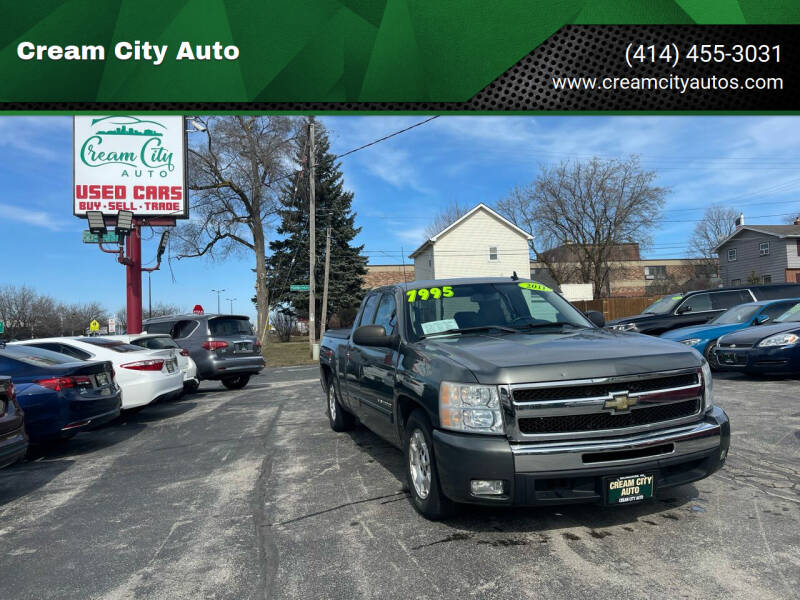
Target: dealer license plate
column 242, row 347
column 170, row 366
column 629, row 488
column 102, row 379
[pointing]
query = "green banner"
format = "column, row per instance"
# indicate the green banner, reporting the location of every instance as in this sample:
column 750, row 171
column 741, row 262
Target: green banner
column 307, row 50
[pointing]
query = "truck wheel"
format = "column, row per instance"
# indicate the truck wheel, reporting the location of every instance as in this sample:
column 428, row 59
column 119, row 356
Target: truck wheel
column 340, row 420
column 710, row 356
column 423, row 478
column 236, row 383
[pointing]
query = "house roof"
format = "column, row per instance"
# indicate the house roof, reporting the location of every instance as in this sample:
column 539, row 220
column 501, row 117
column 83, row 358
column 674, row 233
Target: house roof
column 431, row 240
column 779, row 231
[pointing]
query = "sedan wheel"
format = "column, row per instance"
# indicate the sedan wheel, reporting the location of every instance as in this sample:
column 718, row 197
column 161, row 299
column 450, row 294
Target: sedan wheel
column 710, row 356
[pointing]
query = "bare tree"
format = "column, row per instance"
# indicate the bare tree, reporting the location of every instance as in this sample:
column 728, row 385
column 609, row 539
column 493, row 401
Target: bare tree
column 234, row 177
column 160, row 309
column 27, row 314
column 718, row 222
column 580, row 213
column 449, row 215
column 284, row 322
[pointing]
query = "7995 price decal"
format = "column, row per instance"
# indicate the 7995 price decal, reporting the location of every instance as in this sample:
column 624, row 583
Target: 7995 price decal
column 703, row 53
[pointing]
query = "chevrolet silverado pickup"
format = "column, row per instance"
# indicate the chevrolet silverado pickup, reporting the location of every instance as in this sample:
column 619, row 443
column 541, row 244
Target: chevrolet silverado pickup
column 500, row 392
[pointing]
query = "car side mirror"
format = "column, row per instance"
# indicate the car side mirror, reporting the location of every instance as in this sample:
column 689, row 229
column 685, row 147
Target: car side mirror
column 761, row 319
column 683, row 309
column 373, row 335
column 596, row 317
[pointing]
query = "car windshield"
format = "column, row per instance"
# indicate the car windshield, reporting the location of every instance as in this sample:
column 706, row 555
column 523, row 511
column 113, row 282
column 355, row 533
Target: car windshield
column 738, row 314
column 514, row 306
column 663, row 306
column 114, row 345
column 793, row 314
column 224, row 326
column 38, row 357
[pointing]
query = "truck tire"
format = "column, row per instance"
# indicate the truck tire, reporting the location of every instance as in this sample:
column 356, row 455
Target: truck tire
column 236, row 383
column 421, row 472
column 339, row 418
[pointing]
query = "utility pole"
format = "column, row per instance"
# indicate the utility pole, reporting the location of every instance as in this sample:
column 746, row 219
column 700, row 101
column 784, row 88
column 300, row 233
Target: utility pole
column 325, row 285
column 312, row 240
column 231, row 300
column 218, row 292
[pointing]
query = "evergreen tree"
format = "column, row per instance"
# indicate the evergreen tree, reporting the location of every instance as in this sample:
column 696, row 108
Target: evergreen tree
column 288, row 263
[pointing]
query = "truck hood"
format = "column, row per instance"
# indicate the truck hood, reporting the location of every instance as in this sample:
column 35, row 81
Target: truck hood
column 753, row 335
column 706, row 332
column 522, row 358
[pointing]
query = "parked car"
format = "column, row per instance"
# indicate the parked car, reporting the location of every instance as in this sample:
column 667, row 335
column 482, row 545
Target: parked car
column 13, row 439
column 500, row 392
column 60, row 395
column 144, row 376
column 771, row 348
column 223, row 346
column 162, row 341
column 698, row 307
column 703, row 338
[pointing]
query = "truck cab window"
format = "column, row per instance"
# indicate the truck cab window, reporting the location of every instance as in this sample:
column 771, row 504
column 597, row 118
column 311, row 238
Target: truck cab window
column 386, row 314
column 369, row 310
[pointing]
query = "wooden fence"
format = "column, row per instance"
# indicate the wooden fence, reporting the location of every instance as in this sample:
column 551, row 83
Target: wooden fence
column 616, row 308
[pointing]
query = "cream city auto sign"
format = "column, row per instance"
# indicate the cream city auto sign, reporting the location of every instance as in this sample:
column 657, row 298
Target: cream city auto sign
column 130, row 163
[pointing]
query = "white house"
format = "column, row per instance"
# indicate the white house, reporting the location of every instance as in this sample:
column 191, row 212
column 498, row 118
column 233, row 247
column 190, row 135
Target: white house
column 479, row 244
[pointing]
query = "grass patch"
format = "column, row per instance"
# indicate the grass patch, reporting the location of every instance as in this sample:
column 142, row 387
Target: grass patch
column 287, row 354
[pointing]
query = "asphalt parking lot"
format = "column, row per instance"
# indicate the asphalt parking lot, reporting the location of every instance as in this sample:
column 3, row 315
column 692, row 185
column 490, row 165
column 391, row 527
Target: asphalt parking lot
column 249, row 494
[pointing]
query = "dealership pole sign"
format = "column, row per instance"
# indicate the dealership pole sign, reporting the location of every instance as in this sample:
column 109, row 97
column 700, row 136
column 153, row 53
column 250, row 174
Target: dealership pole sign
column 123, row 162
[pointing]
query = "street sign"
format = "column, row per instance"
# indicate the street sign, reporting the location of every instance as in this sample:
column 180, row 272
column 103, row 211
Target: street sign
column 94, row 326
column 2, row 327
column 109, row 237
column 298, row 288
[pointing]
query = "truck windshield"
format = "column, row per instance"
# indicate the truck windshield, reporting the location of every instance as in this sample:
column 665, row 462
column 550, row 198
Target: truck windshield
column 519, row 305
column 663, row 306
column 737, row 314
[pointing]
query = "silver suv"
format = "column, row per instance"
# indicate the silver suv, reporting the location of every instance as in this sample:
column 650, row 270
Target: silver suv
column 223, row 346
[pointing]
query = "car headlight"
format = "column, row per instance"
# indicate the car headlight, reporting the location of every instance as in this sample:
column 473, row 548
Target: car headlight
column 708, row 386
column 781, row 339
column 470, row 408
column 691, row 341
column 624, row 327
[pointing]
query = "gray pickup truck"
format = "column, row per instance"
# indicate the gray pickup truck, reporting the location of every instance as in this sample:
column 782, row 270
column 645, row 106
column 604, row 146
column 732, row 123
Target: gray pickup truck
column 500, row 392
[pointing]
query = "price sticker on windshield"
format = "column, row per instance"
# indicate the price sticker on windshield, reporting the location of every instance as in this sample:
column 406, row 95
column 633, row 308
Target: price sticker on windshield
column 445, row 291
column 532, row 285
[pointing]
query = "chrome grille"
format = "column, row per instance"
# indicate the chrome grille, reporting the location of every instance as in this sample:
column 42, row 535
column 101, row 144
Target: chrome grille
column 595, row 390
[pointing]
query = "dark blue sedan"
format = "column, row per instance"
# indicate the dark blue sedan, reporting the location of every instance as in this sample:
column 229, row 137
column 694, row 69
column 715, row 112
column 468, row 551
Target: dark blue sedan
column 773, row 348
column 60, row 395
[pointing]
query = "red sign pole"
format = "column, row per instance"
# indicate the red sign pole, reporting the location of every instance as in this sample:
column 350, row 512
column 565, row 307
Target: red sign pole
column 133, row 276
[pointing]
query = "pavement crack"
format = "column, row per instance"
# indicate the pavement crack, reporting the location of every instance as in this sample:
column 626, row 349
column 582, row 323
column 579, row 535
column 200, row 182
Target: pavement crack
column 339, row 506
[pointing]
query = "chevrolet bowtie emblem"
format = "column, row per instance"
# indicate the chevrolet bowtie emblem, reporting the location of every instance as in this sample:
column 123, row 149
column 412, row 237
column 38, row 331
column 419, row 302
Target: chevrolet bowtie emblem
column 620, row 402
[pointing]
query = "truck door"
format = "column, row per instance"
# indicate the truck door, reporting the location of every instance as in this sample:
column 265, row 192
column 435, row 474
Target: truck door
column 376, row 383
column 354, row 359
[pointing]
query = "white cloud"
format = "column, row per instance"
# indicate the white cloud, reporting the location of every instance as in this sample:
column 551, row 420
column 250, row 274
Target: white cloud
column 37, row 218
column 34, row 136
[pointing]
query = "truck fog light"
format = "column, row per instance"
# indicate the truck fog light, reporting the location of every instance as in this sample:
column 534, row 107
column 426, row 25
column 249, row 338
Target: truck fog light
column 486, row 487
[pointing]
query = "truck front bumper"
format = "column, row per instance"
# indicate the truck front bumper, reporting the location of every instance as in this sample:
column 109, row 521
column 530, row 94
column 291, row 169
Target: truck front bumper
column 568, row 472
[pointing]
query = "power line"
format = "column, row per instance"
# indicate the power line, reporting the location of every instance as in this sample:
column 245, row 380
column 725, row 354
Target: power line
column 386, row 137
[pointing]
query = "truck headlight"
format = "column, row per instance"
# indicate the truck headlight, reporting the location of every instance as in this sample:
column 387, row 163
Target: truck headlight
column 691, row 341
column 470, row 407
column 781, row 339
column 708, row 386
column 624, row 327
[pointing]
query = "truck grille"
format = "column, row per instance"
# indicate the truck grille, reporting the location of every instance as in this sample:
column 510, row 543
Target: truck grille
column 596, row 390
column 602, row 421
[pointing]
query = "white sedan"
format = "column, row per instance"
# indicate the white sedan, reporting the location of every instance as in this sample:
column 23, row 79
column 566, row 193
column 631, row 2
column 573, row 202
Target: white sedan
column 143, row 375
column 163, row 341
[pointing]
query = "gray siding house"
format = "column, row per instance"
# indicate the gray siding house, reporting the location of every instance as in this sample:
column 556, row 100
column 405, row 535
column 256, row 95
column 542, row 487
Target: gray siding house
column 768, row 253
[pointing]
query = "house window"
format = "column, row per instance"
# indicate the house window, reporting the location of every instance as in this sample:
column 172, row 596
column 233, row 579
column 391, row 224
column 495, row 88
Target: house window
column 767, row 278
column 655, row 272
column 732, row 255
column 736, row 282
column 763, row 249
column 492, row 252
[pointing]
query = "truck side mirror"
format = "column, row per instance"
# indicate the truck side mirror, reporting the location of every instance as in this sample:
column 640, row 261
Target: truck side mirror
column 761, row 319
column 596, row 317
column 373, row 335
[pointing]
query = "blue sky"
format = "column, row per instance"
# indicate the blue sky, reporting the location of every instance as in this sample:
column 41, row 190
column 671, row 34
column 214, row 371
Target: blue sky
column 400, row 184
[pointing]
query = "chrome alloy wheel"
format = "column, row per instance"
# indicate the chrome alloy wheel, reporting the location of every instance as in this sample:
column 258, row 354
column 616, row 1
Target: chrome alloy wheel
column 419, row 462
column 332, row 401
